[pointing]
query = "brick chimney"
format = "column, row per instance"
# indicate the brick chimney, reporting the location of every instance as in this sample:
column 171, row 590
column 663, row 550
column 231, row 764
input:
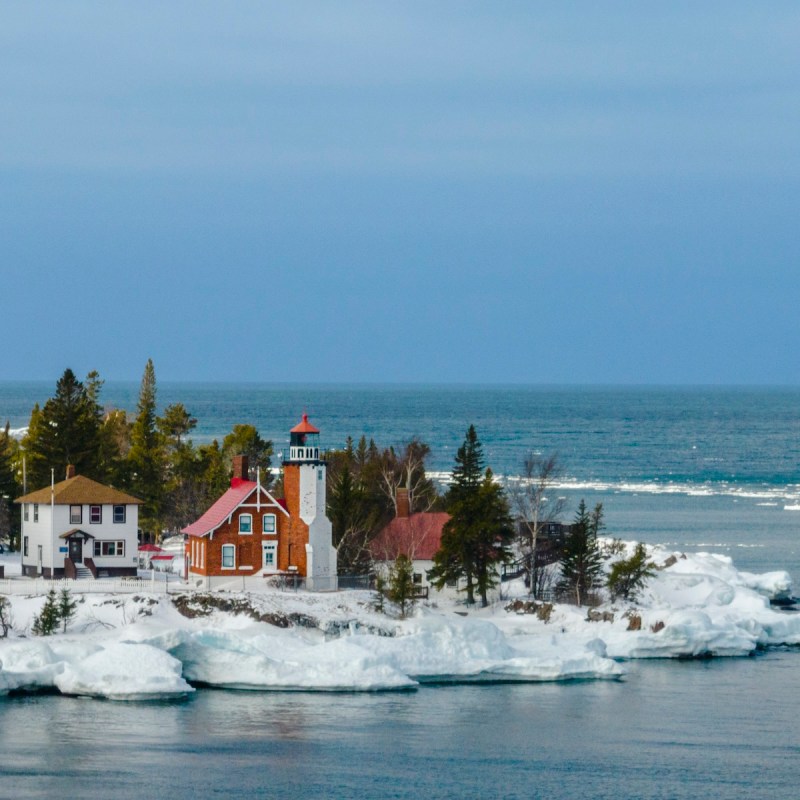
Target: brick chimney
column 70, row 471
column 403, row 508
column 241, row 470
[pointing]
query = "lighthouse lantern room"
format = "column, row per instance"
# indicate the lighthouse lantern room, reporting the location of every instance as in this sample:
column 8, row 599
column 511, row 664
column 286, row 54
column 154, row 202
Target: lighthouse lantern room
column 304, row 443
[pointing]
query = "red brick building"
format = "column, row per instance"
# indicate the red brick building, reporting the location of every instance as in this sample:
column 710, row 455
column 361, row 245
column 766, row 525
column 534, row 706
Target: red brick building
column 247, row 532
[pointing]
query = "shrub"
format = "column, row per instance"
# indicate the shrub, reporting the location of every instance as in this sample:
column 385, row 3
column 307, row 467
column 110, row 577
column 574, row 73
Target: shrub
column 5, row 617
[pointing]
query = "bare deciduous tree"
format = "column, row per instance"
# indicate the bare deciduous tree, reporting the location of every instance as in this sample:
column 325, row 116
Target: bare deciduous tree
column 407, row 470
column 534, row 504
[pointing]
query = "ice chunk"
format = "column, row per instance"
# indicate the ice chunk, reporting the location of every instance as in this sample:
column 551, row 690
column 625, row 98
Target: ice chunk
column 123, row 671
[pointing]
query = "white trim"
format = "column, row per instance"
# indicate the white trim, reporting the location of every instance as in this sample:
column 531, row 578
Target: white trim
column 269, row 546
column 222, row 556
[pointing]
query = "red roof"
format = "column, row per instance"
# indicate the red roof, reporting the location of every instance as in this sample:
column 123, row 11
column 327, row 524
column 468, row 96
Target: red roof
column 150, row 548
column 222, row 509
column 304, row 427
column 417, row 536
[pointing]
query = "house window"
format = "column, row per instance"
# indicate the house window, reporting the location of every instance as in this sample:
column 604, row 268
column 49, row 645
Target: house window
column 95, row 514
column 25, row 512
column 269, row 523
column 417, row 578
column 119, row 513
column 110, row 548
column 25, row 546
column 35, row 512
column 228, row 556
column 245, row 523
column 75, row 515
column 319, row 474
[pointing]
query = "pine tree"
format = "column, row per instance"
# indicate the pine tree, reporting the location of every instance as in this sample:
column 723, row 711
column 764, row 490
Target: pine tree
column 245, row 440
column 628, row 576
column 468, row 470
column 67, row 432
column 176, row 423
column 37, row 471
column 456, row 558
column 400, row 588
column 146, row 457
column 582, row 563
column 66, row 608
column 114, row 436
column 46, row 621
column 493, row 536
column 478, row 534
column 8, row 486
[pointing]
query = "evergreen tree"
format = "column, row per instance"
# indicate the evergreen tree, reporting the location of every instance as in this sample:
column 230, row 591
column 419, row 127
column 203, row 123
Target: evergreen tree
column 628, row 576
column 36, row 467
column 46, row 621
column 175, row 423
column 66, row 608
column 245, row 440
column 114, row 436
column 67, row 432
column 146, row 456
column 115, row 445
column 8, row 486
column 493, row 535
column 352, row 520
column 468, row 470
column 582, row 563
column 479, row 532
column 400, row 589
column 455, row 558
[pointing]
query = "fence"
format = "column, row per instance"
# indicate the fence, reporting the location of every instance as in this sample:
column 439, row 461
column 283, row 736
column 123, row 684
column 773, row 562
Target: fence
column 102, row 586
column 289, row 583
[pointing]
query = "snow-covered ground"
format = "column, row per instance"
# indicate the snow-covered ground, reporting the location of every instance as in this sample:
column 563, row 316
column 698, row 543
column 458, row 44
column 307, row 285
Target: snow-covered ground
column 147, row 646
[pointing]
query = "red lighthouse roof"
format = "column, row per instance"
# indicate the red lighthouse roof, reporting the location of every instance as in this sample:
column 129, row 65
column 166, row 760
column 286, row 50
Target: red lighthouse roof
column 304, row 427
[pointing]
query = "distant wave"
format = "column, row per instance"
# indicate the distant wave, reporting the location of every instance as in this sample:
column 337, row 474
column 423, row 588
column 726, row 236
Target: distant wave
column 788, row 496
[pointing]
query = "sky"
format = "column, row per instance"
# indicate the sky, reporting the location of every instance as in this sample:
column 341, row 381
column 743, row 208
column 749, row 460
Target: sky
column 470, row 192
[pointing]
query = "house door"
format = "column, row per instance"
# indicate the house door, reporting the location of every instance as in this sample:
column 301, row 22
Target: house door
column 76, row 550
column 270, row 556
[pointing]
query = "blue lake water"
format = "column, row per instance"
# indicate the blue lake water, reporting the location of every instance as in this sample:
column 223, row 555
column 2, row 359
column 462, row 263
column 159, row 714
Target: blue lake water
column 721, row 729
column 694, row 468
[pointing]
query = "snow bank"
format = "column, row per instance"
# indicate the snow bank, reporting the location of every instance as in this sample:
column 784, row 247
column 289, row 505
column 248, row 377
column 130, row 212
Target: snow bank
column 123, row 671
column 695, row 605
column 435, row 649
column 141, row 647
column 115, row 671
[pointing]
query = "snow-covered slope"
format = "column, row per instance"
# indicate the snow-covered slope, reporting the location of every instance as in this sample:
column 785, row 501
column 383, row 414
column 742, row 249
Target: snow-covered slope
column 123, row 647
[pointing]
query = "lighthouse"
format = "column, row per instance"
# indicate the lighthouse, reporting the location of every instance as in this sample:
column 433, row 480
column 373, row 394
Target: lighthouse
column 311, row 549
